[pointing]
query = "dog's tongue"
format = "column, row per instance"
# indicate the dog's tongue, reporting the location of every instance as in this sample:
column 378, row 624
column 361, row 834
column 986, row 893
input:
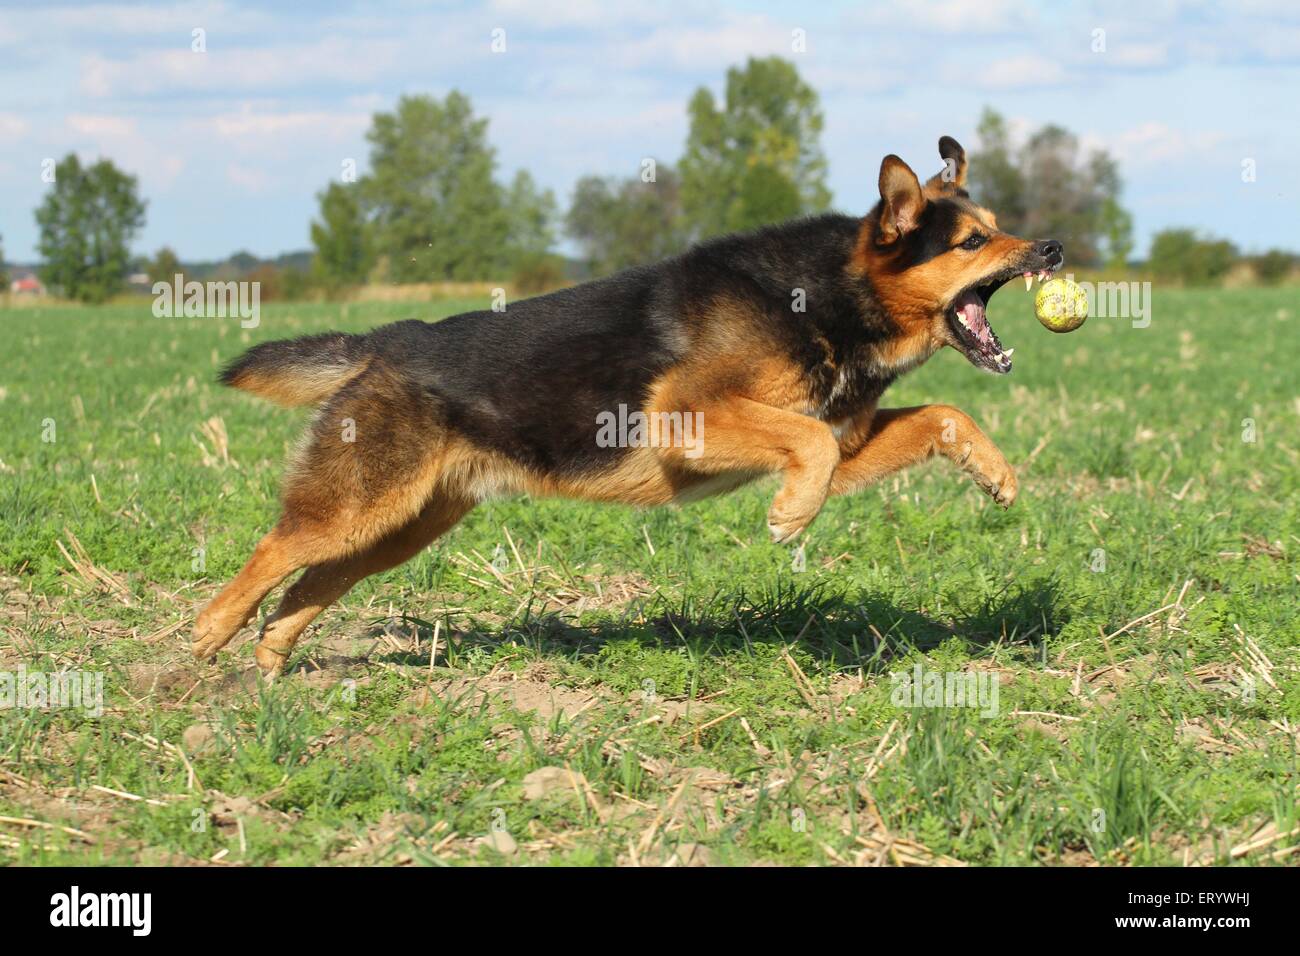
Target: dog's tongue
column 971, row 308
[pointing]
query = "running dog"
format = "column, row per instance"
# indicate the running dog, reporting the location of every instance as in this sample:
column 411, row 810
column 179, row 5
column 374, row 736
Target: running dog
column 779, row 343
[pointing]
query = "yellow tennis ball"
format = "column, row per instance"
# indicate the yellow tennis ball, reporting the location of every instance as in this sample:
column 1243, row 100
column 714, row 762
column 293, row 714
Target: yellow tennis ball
column 1061, row 305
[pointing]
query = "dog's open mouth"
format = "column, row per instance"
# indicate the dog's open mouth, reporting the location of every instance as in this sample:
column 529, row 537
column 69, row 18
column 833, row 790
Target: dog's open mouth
column 968, row 319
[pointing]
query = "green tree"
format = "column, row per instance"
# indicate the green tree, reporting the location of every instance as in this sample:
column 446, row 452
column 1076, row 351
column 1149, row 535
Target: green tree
column 628, row 222
column 87, row 222
column 1171, row 250
column 993, row 178
column 4, row 270
column 296, row 284
column 1183, row 256
column 341, row 238
column 531, row 214
column 536, row 272
column 165, row 266
column 430, row 196
column 240, row 265
column 1112, row 222
column 757, row 159
column 1048, row 189
column 1117, row 231
column 1273, row 266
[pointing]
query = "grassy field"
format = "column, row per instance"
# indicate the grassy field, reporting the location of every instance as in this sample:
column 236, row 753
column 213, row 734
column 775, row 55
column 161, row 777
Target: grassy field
column 614, row 686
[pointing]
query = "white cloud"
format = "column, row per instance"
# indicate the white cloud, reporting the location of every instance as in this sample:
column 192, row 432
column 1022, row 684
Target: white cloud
column 1154, row 143
column 369, row 102
column 101, row 127
column 707, row 47
column 12, row 127
column 1010, row 73
column 1280, row 44
column 1270, row 9
column 248, row 178
column 121, row 139
column 853, row 80
column 1141, row 55
column 972, row 17
column 139, row 19
column 596, row 14
column 96, row 77
column 346, row 60
column 246, row 125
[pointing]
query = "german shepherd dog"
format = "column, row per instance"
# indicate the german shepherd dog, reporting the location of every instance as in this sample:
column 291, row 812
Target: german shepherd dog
column 778, row 342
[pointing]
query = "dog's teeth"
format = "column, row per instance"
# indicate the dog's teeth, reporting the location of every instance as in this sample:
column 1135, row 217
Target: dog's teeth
column 1029, row 281
column 1008, row 353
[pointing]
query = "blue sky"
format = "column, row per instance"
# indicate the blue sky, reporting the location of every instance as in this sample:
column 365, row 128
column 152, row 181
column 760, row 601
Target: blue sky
column 232, row 145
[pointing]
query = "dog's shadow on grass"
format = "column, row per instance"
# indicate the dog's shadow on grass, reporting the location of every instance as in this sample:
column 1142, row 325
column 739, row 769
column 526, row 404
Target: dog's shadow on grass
column 857, row 629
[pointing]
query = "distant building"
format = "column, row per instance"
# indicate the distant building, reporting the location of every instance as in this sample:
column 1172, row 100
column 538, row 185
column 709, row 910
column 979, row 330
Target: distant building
column 26, row 284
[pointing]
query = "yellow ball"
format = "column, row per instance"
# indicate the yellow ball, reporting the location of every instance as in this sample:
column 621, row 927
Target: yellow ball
column 1061, row 305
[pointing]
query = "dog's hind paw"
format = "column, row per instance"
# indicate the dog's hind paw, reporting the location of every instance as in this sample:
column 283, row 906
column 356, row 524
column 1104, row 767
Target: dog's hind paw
column 211, row 633
column 270, row 661
column 204, row 643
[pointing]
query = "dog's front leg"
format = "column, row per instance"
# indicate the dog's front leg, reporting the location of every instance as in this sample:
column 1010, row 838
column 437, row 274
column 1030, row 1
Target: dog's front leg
column 900, row 437
column 741, row 435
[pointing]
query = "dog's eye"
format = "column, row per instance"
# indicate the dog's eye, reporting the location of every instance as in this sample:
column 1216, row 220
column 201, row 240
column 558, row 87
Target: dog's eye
column 974, row 242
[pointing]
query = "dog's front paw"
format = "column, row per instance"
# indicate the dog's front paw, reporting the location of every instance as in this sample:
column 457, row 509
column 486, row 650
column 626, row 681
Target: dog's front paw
column 990, row 470
column 1005, row 493
column 787, row 525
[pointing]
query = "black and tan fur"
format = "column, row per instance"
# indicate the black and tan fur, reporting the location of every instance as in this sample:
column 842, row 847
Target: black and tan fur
column 444, row 415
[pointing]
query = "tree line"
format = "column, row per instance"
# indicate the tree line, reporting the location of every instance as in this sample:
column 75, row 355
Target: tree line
column 431, row 206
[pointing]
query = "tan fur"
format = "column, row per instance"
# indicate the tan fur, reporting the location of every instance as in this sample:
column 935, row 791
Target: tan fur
column 897, row 438
column 306, row 386
column 917, row 299
column 323, row 584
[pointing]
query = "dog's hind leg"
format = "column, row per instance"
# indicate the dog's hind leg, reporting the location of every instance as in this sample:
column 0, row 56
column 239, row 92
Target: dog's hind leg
column 367, row 471
column 901, row 437
column 334, row 537
column 323, row 584
column 274, row 559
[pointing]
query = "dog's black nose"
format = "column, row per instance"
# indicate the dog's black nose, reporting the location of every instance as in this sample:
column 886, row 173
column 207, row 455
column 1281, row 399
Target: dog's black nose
column 1050, row 249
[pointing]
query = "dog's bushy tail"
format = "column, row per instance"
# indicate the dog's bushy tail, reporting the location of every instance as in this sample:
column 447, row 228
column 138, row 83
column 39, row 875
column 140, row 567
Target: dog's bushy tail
column 302, row 371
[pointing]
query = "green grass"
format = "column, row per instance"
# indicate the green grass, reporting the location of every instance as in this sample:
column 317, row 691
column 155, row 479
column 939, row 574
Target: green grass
column 709, row 694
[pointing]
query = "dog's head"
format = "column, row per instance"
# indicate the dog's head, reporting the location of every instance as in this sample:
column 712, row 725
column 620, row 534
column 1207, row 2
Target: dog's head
column 934, row 258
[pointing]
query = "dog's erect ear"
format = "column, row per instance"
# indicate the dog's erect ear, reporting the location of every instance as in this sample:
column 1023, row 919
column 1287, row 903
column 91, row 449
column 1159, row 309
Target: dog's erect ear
column 954, row 165
column 901, row 201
